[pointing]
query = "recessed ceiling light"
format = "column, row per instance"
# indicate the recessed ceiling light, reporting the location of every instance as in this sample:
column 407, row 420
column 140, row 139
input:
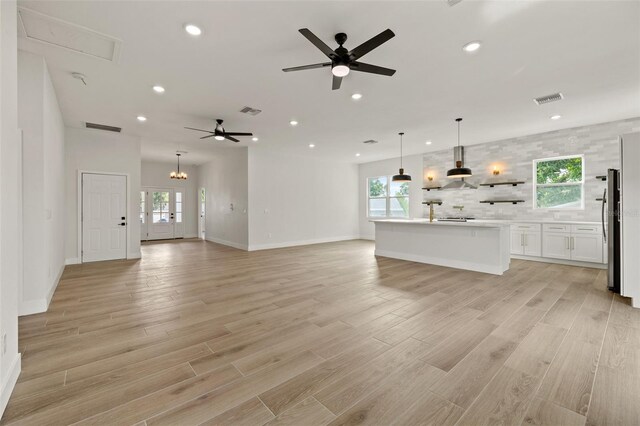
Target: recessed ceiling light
column 356, row 96
column 556, row 117
column 471, row 46
column 158, row 89
column 293, row 122
column 192, row 30
column 254, row 139
column 142, row 118
column 428, row 142
column 311, row 145
column 357, row 154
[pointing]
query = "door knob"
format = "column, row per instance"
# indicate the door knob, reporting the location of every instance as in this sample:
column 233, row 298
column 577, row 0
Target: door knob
column 122, row 224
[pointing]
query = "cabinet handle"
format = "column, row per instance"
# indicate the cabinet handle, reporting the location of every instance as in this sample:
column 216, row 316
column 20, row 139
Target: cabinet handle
column 573, row 244
column 566, row 243
column 524, row 237
column 555, row 227
column 586, row 229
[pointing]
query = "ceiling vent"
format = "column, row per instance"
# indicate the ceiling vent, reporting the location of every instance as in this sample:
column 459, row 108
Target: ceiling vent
column 453, row 2
column 103, row 127
column 549, row 98
column 55, row 32
column 251, row 111
column 370, row 142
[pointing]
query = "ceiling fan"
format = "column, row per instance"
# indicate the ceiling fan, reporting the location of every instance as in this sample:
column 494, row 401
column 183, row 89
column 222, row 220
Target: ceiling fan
column 220, row 134
column 343, row 60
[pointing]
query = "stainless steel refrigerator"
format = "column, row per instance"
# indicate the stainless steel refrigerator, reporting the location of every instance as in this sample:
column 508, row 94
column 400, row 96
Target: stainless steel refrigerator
column 611, row 228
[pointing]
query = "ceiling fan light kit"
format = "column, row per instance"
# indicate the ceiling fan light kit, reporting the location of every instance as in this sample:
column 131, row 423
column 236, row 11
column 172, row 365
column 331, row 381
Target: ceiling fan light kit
column 344, row 61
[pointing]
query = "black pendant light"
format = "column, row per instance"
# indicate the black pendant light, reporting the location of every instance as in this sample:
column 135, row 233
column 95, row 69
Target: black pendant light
column 401, row 177
column 459, row 171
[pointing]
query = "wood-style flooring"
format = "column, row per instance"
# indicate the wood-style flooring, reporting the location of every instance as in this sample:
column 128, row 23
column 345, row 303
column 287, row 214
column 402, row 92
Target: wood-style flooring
column 199, row 333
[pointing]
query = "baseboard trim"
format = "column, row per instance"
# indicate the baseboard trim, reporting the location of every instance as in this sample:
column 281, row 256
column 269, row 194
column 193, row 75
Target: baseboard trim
column 38, row 306
column 560, row 261
column 137, row 255
column 10, row 383
column 228, row 243
column 72, row 261
column 257, row 247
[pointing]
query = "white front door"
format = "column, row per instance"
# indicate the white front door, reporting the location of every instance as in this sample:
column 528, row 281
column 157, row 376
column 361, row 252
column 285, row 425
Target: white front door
column 104, row 222
column 161, row 214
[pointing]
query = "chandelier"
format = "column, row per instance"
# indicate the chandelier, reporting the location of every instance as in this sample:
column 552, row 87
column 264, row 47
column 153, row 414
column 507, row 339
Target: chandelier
column 178, row 174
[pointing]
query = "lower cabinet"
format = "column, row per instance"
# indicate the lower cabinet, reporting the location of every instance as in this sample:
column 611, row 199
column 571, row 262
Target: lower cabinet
column 556, row 245
column 525, row 239
column 573, row 242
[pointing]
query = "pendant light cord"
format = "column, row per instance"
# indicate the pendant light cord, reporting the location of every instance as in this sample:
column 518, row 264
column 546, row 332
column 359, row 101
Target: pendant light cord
column 401, row 133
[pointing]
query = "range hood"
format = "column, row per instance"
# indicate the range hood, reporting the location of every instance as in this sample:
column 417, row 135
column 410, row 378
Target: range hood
column 459, row 170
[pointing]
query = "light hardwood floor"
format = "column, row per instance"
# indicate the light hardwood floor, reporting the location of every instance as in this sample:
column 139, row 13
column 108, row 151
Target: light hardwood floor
column 198, row 333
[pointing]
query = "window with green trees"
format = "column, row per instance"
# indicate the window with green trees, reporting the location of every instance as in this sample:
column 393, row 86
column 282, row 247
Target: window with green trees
column 559, row 183
column 386, row 198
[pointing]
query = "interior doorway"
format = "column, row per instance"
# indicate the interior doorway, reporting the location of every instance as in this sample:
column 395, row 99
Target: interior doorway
column 104, row 221
column 202, row 220
column 161, row 213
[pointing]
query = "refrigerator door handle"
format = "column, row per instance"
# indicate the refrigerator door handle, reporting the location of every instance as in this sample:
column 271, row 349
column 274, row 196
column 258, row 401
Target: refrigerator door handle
column 604, row 228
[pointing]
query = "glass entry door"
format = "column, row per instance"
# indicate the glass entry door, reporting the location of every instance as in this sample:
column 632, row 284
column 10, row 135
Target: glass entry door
column 161, row 213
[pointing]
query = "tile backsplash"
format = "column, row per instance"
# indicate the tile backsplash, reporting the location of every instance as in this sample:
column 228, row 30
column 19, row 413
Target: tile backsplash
column 514, row 158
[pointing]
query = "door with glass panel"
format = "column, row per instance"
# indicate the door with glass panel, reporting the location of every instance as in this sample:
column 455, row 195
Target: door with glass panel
column 161, row 215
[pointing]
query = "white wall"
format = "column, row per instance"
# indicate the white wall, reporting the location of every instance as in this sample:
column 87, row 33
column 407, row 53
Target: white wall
column 412, row 166
column 107, row 152
column 43, row 212
column 155, row 174
column 297, row 200
column 225, row 181
column 631, row 217
column 10, row 233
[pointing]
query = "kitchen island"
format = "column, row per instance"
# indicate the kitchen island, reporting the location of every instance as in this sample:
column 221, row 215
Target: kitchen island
column 482, row 246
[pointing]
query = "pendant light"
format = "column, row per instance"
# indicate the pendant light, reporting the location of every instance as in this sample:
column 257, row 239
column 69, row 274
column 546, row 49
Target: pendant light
column 401, row 177
column 178, row 174
column 459, row 171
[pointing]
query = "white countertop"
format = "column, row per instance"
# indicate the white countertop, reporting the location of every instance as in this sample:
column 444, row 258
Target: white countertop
column 471, row 223
column 480, row 222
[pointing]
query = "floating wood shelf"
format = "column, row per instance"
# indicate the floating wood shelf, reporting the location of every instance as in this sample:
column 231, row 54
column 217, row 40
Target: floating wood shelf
column 429, row 188
column 603, row 177
column 492, row 202
column 512, row 183
column 428, row 203
column 599, row 199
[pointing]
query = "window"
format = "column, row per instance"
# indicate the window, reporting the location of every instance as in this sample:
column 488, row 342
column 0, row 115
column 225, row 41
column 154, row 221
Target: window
column 559, row 183
column 386, row 198
column 160, row 207
column 178, row 207
column 142, row 206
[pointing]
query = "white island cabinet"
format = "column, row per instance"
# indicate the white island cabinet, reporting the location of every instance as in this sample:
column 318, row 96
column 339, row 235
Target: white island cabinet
column 474, row 245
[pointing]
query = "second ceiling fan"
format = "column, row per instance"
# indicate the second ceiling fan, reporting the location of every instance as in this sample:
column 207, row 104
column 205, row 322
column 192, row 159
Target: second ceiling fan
column 343, row 60
column 220, row 134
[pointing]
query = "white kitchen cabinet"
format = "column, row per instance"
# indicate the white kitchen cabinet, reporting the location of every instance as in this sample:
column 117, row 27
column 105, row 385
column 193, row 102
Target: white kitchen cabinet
column 579, row 242
column 586, row 247
column 556, row 245
column 525, row 239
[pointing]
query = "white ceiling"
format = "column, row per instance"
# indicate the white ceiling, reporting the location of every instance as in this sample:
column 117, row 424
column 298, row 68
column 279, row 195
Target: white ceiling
column 588, row 50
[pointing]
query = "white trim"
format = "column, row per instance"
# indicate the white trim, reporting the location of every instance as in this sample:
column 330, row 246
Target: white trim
column 302, row 242
column 79, row 218
column 10, row 383
column 560, row 261
column 450, row 263
column 136, row 255
column 38, row 306
column 550, row 185
column 227, row 243
column 72, row 261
